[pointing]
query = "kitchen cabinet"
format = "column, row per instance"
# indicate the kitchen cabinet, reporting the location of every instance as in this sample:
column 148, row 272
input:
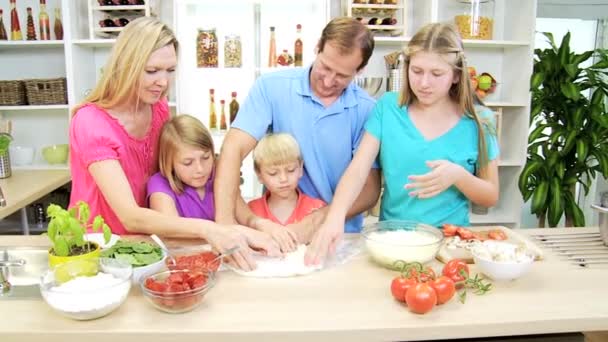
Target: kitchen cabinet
column 508, row 57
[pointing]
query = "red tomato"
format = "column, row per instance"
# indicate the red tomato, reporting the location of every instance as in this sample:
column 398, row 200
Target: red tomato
column 444, row 287
column 426, row 275
column 497, row 234
column 400, row 285
column 465, row 234
column 453, row 270
column 449, row 229
column 421, row 298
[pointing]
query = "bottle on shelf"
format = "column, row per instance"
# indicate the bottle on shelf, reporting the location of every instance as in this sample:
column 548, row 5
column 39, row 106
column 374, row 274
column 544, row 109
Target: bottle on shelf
column 298, row 47
column 223, row 126
column 43, row 22
column 234, row 107
column 58, row 27
column 3, row 35
column 272, row 51
column 15, row 27
column 30, row 28
column 212, row 113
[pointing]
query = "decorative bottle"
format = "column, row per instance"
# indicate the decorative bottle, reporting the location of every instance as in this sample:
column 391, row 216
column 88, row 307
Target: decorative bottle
column 234, row 107
column 223, row 126
column 298, row 47
column 58, row 27
column 43, row 22
column 15, row 27
column 3, row 35
column 31, row 29
column 212, row 113
column 272, row 51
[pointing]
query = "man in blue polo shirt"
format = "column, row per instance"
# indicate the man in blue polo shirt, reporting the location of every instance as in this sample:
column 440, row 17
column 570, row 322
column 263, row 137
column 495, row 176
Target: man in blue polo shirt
column 324, row 110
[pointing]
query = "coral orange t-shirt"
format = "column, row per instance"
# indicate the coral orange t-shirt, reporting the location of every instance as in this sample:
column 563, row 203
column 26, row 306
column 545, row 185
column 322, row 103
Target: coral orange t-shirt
column 305, row 206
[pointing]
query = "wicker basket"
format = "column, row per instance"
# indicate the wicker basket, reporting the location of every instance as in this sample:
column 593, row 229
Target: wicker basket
column 46, row 91
column 12, row 93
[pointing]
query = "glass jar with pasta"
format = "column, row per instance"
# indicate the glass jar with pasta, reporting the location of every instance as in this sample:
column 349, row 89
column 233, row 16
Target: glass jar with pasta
column 232, row 52
column 476, row 20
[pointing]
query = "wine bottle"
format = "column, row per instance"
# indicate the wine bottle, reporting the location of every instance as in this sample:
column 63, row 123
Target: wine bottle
column 30, row 28
column 212, row 113
column 298, row 47
column 43, row 22
column 15, row 27
column 272, row 51
column 234, row 107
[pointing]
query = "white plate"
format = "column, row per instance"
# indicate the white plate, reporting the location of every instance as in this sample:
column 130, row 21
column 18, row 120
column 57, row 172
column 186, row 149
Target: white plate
column 98, row 238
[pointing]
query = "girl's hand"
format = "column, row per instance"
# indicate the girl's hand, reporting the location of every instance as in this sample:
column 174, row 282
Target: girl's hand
column 324, row 242
column 285, row 238
column 443, row 175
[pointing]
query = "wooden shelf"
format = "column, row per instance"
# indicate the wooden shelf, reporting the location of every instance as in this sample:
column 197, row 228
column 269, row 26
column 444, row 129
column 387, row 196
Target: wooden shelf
column 108, row 29
column 120, row 8
column 34, row 107
column 41, row 166
column 468, row 43
column 385, row 27
column 378, row 7
column 503, row 104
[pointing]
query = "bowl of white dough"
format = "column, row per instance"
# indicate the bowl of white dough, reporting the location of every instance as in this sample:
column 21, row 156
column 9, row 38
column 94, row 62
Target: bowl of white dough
column 388, row 242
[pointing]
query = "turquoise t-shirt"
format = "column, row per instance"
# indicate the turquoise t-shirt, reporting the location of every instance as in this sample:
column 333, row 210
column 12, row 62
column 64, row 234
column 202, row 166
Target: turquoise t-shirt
column 404, row 151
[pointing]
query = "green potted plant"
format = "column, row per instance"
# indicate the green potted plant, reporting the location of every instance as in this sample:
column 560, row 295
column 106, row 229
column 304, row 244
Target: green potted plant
column 568, row 144
column 67, row 230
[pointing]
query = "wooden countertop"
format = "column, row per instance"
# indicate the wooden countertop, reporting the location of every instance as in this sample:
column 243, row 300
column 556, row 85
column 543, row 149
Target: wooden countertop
column 26, row 186
column 351, row 302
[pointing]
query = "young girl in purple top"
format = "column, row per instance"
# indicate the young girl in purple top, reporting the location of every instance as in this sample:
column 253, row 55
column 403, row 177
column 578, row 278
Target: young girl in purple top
column 184, row 185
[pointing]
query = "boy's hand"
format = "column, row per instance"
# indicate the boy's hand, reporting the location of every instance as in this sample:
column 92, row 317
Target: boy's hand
column 286, row 239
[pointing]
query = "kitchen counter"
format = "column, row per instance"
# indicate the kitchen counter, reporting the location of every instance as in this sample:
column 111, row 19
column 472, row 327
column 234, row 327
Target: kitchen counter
column 351, row 302
column 25, row 186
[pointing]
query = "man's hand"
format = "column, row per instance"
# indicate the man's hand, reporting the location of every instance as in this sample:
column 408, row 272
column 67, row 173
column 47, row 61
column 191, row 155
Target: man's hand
column 443, row 175
column 261, row 241
column 222, row 238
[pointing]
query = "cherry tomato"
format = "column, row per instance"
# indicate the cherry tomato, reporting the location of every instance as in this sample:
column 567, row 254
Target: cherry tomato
column 497, row 234
column 465, row 234
column 453, row 270
column 449, row 229
column 421, row 298
column 444, row 287
column 400, row 285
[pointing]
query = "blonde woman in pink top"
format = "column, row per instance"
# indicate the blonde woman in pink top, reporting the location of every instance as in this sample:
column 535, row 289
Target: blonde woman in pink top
column 114, row 144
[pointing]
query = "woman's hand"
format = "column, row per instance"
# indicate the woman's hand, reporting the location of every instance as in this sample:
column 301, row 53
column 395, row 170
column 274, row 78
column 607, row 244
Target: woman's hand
column 260, row 241
column 443, row 175
column 284, row 237
column 324, row 241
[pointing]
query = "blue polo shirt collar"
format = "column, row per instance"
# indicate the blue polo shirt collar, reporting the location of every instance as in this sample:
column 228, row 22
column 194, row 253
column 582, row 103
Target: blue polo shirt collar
column 348, row 98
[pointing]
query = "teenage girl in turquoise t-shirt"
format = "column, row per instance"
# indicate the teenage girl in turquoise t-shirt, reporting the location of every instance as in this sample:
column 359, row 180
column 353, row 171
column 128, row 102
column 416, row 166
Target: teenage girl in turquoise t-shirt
column 437, row 150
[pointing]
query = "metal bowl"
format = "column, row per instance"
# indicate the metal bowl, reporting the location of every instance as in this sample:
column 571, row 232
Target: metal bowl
column 370, row 84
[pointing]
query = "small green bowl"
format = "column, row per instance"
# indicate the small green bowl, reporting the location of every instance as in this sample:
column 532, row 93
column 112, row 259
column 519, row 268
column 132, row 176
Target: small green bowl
column 56, row 154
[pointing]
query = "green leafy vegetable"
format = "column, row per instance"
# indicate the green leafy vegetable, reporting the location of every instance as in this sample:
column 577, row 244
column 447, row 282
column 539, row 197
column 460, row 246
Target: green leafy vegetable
column 137, row 253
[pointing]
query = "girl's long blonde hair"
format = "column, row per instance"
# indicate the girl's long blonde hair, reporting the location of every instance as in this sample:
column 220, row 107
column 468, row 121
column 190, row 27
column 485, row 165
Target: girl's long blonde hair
column 442, row 39
column 120, row 80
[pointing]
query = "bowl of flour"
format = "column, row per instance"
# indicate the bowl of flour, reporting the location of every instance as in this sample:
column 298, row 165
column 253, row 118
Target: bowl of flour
column 85, row 296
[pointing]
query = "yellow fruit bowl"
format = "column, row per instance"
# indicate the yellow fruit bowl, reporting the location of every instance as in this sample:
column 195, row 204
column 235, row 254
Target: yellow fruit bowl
column 56, row 154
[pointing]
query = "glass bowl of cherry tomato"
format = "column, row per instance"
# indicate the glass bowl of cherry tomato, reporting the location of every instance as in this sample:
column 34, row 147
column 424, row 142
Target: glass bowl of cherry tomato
column 194, row 258
column 177, row 291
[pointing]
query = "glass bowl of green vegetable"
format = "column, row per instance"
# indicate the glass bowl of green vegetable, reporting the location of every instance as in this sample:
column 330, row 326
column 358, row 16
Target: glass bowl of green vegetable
column 146, row 258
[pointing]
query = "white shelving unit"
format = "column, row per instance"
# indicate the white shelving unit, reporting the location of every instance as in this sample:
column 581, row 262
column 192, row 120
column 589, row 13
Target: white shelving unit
column 508, row 57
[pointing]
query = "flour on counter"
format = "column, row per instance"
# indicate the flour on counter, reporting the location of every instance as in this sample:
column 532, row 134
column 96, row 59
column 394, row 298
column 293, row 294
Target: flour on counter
column 291, row 264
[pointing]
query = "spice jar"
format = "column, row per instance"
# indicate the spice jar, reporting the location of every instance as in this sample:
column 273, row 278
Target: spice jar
column 476, row 20
column 232, row 52
column 206, row 49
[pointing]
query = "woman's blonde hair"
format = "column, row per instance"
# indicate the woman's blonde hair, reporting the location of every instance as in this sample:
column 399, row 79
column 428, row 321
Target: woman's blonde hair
column 443, row 39
column 276, row 149
column 120, row 80
column 181, row 130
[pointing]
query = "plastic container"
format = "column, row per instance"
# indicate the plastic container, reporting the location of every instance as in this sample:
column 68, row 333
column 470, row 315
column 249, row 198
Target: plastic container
column 476, row 19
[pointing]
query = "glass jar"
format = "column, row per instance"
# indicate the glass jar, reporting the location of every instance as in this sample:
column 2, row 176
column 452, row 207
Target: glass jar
column 476, row 20
column 206, row 49
column 233, row 52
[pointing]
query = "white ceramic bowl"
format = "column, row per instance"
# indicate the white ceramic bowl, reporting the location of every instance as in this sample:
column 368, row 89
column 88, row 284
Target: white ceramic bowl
column 390, row 241
column 502, row 270
column 21, row 155
column 90, row 302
